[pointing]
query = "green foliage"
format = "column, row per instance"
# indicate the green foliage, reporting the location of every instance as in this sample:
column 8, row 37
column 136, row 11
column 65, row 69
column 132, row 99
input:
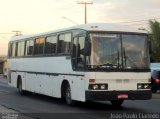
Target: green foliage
column 155, row 40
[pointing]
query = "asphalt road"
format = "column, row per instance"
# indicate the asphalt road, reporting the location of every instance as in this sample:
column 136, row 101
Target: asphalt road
column 43, row 107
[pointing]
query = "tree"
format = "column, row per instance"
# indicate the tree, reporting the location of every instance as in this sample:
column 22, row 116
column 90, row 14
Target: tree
column 155, row 40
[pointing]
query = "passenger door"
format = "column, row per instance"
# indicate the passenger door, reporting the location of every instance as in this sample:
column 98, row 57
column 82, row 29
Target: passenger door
column 78, row 52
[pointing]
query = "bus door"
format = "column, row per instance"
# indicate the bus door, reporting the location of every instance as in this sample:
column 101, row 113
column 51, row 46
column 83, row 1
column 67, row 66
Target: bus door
column 78, row 60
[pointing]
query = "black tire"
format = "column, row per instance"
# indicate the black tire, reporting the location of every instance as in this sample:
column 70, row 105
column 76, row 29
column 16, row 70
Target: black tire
column 68, row 96
column 117, row 103
column 21, row 91
column 154, row 90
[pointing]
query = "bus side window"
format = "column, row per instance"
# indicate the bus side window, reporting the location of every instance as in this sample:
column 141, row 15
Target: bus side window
column 9, row 49
column 39, row 46
column 13, row 52
column 51, row 44
column 64, row 43
column 29, row 47
column 21, row 47
column 67, row 43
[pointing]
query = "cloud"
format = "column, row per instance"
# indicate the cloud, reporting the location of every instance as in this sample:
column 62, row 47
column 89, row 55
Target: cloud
column 34, row 16
column 124, row 10
column 22, row 14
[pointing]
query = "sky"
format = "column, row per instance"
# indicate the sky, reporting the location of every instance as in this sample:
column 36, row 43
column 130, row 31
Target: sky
column 36, row 16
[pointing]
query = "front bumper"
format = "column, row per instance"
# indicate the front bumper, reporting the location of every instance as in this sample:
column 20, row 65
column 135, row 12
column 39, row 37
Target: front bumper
column 113, row 95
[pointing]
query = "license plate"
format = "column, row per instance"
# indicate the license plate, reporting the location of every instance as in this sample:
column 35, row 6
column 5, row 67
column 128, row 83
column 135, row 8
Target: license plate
column 122, row 96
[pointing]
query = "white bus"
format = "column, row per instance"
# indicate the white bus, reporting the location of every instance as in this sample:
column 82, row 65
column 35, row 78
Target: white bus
column 101, row 62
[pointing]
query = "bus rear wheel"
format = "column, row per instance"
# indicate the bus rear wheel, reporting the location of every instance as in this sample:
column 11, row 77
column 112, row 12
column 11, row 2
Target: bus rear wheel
column 117, row 103
column 68, row 97
column 21, row 91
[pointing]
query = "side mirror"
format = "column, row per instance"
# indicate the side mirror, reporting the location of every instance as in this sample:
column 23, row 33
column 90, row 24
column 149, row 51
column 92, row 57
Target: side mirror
column 87, row 49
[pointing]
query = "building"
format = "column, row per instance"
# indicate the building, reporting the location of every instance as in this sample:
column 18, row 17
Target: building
column 3, row 65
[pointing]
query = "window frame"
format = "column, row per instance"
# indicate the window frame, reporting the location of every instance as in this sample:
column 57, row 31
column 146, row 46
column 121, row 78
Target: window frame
column 15, row 52
column 26, row 49
column 22, row 41
column 41, row 54
column 51, row 35
column 63, row 33
column 9, row 49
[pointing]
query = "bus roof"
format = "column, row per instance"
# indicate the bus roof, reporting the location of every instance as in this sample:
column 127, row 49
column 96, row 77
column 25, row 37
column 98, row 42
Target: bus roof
column 88, row 27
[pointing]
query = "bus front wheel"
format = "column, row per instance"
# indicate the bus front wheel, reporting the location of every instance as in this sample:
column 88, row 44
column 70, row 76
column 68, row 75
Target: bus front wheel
column 68, row 97
column 117, row 103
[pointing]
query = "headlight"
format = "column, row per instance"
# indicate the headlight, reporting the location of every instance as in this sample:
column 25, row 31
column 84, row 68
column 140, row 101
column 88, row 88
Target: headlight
column 143, row 86
column 146, row 86
column 95, row 87
column 98, row 87
column 103, row 87
column 139, row 86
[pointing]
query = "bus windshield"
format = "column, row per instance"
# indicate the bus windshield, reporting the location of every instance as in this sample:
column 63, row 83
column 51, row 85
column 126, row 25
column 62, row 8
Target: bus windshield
column 127, row 51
